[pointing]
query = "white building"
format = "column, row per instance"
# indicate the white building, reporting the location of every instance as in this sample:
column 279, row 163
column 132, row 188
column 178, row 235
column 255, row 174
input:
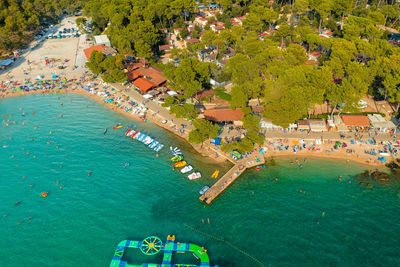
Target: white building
column 102, row 39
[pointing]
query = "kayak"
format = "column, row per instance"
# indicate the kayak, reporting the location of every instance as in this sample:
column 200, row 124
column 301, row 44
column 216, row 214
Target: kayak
column 180, row 164
column 215, row 174
column 195, row 175
column 118, row 127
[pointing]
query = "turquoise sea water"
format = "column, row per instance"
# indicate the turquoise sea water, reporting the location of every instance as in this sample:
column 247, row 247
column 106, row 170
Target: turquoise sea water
column 257, row 220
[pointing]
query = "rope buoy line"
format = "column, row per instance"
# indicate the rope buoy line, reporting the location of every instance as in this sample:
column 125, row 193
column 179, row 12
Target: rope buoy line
column 227, row 242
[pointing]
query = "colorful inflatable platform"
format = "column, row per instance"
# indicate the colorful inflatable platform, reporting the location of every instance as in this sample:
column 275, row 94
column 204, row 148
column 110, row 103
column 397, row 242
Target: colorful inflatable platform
column 153, row 245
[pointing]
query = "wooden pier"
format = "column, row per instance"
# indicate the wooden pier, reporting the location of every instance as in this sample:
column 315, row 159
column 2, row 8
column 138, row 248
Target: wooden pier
column 231, row 176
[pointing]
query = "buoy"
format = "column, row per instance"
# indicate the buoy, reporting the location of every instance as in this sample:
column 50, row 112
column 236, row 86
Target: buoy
column 44, row 194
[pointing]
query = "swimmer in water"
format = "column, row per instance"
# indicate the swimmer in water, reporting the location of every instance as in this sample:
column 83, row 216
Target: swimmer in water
column 89, row 173
column 17, row 203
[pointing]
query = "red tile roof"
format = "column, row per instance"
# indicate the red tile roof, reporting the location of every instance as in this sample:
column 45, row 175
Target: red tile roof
column 88, row 51
column 133, row 74
column 143, row 84
column 220, row 115
column 315, row 53
column 206, row 93
column 135, row 65
column 192, row 41
column 165, row 47
column 152, row 74
column 355, row 120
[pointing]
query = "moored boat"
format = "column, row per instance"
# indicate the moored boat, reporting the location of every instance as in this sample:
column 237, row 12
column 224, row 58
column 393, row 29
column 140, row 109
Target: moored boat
column 176, row 158
column 188, row 168
column 180, row 164
column 204, row 189
column 194, row 176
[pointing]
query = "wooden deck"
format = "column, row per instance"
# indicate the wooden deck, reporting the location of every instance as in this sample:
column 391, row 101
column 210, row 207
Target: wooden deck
column 231, row 176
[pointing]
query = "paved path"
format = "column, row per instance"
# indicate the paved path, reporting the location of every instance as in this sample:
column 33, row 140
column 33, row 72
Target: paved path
column 155, row 107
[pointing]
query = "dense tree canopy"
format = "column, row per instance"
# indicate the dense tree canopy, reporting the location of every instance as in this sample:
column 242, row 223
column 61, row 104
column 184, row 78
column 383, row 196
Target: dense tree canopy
column 19, row 20
column 110, row 67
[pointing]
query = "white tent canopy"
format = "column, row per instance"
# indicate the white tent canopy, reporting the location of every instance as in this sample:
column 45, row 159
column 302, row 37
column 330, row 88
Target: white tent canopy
column 172, row 93
column 147, row 96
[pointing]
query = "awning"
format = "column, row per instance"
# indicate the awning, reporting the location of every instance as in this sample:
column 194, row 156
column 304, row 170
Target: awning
column 172, row 93
column 147, row 96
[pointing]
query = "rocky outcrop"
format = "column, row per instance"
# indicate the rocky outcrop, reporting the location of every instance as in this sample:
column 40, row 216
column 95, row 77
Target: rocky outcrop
column 367, row 177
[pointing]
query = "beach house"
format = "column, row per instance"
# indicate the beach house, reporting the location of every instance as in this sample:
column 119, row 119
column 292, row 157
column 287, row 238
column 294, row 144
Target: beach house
column 102, row 39
column 224, row 116
column 145, row 78
column 356, row 122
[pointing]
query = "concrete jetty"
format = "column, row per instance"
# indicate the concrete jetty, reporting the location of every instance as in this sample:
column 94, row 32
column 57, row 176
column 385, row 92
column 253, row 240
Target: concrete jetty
column 229, row 177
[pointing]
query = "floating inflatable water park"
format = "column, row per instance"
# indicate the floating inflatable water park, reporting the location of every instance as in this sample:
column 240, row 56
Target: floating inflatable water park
column 152, row 245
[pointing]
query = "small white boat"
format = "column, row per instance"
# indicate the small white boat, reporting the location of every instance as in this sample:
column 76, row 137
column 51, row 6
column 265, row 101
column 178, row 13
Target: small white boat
column 204, row 189
column 194, row 176
column 188, row 168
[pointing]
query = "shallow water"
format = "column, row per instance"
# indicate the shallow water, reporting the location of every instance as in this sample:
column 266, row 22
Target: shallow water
column 258, row 220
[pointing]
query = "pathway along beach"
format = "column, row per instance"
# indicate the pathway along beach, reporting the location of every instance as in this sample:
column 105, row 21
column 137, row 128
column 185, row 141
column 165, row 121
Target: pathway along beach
column 82, row 222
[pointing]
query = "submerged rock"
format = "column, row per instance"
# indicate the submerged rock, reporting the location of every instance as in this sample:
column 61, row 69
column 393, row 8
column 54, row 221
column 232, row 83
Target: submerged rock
column 380, row 176
column 366, row 177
